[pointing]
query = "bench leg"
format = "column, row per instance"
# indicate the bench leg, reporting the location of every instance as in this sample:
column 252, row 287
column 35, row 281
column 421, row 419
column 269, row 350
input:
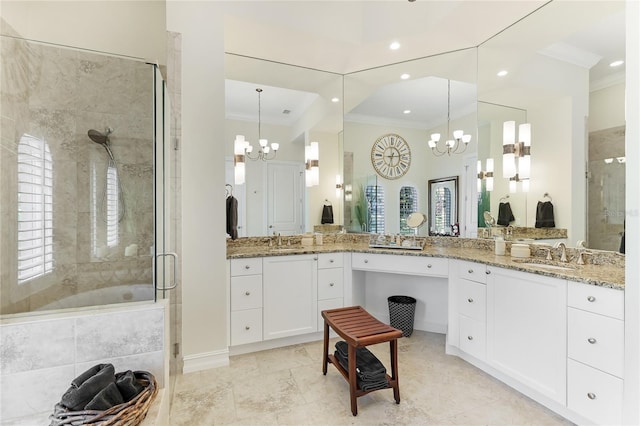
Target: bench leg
column 393, row 349
column 325, row 352
column 352, row 380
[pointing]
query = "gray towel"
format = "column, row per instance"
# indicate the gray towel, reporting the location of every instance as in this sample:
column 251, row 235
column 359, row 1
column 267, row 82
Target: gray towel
column 128, row 385
column 87, row 385
column 368, row 366
column 105, row 399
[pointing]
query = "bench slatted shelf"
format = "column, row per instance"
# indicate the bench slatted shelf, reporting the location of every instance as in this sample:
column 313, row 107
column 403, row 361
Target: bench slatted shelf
column 358, row 328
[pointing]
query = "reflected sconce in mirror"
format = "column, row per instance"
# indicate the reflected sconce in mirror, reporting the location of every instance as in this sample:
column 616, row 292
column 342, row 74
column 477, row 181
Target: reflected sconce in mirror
column 242, row 149
column 485, row 175
column 338, row 186
column 312, row 164
column 516, row 156
column 460, row 140
column 348, row 192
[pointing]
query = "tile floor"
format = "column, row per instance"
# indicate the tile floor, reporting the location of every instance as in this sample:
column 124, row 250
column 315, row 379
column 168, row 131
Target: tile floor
column 286, row 386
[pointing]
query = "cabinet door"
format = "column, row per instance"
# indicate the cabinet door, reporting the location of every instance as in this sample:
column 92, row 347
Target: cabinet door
column 527, row 330
column 290, row 295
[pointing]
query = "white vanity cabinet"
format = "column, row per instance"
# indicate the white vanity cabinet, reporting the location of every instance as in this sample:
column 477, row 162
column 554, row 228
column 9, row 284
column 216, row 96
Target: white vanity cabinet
column 468, row 304
column 527, row 330
column 290, row 295
column 596, row 352
column 330, row 283
column 401, row 264
column 246, row 301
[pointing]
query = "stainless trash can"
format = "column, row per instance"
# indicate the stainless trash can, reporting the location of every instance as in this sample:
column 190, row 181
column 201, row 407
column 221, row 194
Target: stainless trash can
column 402, row 311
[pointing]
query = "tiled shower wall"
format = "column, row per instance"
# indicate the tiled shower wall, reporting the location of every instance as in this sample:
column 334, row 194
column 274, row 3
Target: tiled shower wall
column 41, row 355
column 606, row 189
column 58, row 94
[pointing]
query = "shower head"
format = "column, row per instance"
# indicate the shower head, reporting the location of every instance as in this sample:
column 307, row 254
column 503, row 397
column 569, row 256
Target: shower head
column 102, row 139
column 99, row 137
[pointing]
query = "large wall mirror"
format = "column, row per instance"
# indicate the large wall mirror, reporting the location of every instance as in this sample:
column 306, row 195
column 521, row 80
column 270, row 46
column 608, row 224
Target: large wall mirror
column 296, row 106
column 559, row 80
column 405, row 103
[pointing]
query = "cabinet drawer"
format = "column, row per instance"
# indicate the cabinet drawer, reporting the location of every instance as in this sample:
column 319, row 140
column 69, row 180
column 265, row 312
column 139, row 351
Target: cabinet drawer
column 600, row 300
column 246, row 292
column 472, row 299
column 330, row 283
column 323, row 305
column 246, row 326
column 473, row 337
column 596, row 340
column 472, row 271
column 594, row 394
column 398, row 264
column 249, row 266
column 330, row 260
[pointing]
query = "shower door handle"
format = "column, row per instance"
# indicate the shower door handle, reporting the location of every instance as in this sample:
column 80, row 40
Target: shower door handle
column 175, row 269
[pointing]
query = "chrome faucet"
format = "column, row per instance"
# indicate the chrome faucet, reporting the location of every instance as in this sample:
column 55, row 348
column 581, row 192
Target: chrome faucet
column 563, row 252
column 580, row 260
column 279, row 240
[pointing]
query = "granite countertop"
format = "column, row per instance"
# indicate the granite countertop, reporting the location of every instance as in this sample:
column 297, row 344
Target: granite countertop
column 597, row 272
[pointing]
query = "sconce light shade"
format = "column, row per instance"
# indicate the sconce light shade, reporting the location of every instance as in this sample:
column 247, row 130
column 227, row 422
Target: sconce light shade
column 508, row 149
column 479, row 172
column 489, row 174
column 239, row 146
column 512, row 186
column 312, row 163
column 524, row 162
column 338, row 186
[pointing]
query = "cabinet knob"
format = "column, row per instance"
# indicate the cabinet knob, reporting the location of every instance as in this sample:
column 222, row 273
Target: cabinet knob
column 246, row 293
column 429, row 266
column 330, row 260
column 331, row 284
column 366, row 261
column 470, row 337
column 591, row 299
column 246, row 327
column 470, row 271
column 470, row 300
column 592, row 340
column 591, row 395
column 247, row 267
column 488, row 272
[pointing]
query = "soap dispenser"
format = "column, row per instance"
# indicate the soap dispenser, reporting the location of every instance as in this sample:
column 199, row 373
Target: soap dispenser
column 500, row 246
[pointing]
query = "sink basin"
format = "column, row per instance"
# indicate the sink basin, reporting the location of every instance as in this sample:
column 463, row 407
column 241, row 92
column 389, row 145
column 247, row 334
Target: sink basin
column 284, row 249
column 547, row 266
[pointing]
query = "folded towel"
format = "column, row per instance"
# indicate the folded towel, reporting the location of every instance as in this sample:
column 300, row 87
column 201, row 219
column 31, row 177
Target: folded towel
column 128, row 385
column 367, row 365
column 105, row 399
column 544, row 215
column 505, row 215
column 373, row 383
column 87, row 385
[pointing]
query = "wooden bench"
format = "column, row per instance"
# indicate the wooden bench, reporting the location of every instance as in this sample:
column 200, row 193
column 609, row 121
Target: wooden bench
column 358, row 328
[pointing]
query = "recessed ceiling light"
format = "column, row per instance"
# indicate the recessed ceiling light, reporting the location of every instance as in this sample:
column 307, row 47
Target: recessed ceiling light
column 334, row 100
column 406, row 111
column 616, row 63
column 405, row 76
column 502, row 73
column 394, row 46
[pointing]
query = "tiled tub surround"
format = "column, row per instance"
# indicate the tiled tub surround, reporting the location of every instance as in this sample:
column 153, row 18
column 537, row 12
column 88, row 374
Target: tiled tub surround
column 601, row 268
column 58, row 94
column 42, row 354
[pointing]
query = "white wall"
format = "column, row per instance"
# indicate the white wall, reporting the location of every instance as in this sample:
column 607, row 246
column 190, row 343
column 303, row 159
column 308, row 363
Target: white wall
column 204, row 292
column 606, row 108
column 330, row 166
column 130, row 28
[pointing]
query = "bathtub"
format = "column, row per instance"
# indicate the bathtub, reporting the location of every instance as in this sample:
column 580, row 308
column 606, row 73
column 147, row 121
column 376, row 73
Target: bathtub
column 104, row 296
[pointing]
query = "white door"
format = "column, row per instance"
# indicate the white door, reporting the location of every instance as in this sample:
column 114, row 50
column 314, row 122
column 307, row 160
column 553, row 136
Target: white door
column 469, row 226
column 284, row 198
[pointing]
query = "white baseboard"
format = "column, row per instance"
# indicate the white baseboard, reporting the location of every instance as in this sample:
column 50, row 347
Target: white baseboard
column 205, row 361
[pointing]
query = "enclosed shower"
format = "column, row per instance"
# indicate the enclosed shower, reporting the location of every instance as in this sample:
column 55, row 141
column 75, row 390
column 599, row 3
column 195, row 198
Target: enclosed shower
column 78, row 178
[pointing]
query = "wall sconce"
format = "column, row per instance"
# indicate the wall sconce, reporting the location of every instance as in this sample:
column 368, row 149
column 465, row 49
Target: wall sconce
column 238, row 159
column 488, row 175
column 512, row 150
column 312, row 164
column 339, row 186
column 348, row 192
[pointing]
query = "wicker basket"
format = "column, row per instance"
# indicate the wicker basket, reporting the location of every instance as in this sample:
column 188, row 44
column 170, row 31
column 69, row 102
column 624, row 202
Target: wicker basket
column 130, row 413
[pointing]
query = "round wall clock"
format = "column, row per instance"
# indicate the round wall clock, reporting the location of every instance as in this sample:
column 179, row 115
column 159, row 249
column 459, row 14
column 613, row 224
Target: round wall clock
column 391, row 156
